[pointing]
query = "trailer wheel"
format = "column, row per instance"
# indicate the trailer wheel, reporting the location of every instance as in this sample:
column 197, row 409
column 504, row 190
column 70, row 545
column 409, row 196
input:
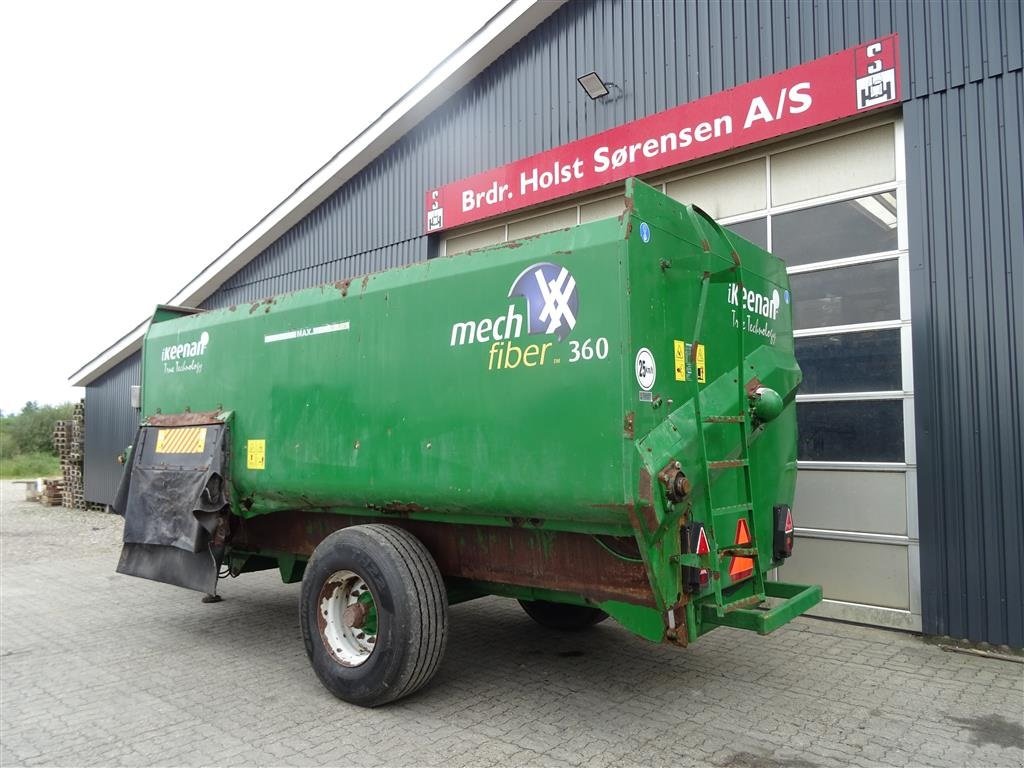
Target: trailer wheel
column 374, row 614
column 570, row 618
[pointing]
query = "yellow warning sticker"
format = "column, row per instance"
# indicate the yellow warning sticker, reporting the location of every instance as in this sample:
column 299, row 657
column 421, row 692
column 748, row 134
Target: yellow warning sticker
column 685, row 364
column 181, row 440
column 679, row 348
column 257, row 458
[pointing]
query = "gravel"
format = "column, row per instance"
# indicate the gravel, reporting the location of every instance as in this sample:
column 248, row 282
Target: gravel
column 30, row 530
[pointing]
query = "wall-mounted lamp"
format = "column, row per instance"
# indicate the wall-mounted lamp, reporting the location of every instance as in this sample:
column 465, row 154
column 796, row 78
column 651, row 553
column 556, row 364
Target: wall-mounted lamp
column 593, row 85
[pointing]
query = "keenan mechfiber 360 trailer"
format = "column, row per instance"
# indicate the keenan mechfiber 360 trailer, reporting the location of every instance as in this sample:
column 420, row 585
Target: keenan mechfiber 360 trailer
column 596, row 421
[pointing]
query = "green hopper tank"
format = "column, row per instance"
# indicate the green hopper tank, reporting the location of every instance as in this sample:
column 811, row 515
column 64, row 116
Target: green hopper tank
column 595, row 421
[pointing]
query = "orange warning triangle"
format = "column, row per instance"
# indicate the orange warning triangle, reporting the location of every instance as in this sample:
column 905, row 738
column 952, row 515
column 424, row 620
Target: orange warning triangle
column 741, row 567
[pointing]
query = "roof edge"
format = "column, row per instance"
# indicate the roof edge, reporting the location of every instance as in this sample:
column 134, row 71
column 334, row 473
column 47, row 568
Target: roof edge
column 495, row 37
column 113, row 355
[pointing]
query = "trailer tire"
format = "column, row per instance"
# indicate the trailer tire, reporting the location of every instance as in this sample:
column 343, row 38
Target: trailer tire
column 408, row 604
column 562, row 616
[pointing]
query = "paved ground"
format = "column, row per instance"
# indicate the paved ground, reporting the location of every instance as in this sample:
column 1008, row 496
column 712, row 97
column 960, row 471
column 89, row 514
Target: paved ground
column 101, row 669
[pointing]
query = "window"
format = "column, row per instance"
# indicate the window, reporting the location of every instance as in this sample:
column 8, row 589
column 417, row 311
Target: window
column 856, row 430
column 836, row 230
column 865, row 293
column 755, row 230
column 867, row 361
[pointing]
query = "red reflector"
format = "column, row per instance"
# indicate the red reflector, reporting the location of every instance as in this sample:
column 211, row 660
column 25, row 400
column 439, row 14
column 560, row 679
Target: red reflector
column 704, row 576
column 789, row 521
column 702, row 542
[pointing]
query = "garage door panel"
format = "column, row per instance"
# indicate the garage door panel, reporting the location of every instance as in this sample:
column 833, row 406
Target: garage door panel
column 549, row 222
column 726, row 192
column 463, row 243
column 602, row 209
column 868, row 502
column 848, row 162
column 852, row 571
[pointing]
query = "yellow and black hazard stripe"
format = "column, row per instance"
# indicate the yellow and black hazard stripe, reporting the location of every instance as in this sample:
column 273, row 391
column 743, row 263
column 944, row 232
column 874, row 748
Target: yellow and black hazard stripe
column 181, row 440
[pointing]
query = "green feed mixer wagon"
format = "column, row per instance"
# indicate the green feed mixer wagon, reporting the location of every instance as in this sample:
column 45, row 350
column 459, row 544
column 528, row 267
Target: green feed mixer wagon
column 597, row 422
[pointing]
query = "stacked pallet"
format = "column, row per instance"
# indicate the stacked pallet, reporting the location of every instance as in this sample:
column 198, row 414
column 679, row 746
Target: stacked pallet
column 69, row 442
column 53, row 493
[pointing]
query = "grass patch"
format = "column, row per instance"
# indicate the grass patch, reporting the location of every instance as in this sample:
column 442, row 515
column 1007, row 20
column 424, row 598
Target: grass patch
column 26, row 466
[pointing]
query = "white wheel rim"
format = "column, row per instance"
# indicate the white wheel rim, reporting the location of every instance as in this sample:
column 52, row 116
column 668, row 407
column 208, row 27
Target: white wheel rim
column 343, row 612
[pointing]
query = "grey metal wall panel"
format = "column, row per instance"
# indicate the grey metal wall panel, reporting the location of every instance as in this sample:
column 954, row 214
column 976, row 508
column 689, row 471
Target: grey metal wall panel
column 1014, row 29
column 964, row 157
column 110, row 424
column 961, row 75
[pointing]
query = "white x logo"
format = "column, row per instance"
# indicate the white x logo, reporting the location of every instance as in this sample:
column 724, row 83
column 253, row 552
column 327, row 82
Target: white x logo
column 556, row 295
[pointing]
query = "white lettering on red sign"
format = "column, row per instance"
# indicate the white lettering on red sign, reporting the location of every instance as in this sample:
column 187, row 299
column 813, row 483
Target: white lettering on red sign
column 812, row 94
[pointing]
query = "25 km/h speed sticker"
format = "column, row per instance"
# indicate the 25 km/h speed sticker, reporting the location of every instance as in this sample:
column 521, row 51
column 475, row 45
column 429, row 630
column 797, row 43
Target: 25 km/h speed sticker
column 645, row 369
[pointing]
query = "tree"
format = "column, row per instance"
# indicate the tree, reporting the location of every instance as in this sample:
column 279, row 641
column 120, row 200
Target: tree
column 31, row 431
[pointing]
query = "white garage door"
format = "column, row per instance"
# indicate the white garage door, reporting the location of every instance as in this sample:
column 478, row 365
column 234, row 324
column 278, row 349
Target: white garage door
column 832, row 205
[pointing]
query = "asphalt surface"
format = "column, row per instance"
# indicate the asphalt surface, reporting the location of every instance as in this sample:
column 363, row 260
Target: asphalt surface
column 102, row 669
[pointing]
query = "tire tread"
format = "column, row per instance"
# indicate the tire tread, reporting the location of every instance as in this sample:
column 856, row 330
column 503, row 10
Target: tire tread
column 431, row 599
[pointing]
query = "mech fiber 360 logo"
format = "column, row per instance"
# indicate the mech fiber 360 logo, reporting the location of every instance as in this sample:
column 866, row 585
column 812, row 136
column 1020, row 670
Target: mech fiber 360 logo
column 552, row 304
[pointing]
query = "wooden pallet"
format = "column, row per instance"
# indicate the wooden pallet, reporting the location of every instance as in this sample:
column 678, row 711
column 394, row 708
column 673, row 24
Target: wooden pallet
column 69, row 442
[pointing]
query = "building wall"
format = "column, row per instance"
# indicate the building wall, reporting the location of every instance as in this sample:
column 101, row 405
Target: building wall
column 967, row 254
column 961, row 67
column 110, row 425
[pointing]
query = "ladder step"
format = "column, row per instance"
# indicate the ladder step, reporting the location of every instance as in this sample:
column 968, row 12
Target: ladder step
column 747, row 602
column 732, row 508
column 725, row 419
column 738, row 552
column 728, row 464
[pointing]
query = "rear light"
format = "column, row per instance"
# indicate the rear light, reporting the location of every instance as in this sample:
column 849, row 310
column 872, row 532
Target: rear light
column 782, row 540
column 702, row 547
column 696, row 541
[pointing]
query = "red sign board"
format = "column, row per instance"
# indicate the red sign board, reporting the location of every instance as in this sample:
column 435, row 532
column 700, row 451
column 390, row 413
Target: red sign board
column 846, row 83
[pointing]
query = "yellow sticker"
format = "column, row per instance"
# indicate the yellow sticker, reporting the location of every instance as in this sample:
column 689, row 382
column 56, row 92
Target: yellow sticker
column 679, row 348
column 181, row 440
column 683, row 363
column 257, row 458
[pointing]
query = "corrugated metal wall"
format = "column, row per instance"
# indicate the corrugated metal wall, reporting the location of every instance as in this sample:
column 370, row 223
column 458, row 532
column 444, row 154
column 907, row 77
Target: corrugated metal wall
column 967, row 254
column 110, row 424
column 961, row 71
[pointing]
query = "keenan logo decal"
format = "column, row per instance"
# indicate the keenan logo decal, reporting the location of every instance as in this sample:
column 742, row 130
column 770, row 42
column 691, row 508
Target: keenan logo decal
column 759, row 308
column 187, row 356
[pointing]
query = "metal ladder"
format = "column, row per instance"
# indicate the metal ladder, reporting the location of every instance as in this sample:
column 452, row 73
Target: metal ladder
column 742, row 461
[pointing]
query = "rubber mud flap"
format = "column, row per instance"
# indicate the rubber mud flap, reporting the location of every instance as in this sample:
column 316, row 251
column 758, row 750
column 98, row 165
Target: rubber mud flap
column 173, row 496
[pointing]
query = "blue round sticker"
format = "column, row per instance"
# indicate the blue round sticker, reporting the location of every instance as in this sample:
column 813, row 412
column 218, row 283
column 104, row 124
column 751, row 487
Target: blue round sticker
column 645, row 232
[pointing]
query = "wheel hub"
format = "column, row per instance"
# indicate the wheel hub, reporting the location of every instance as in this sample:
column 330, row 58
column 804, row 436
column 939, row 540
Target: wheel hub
column 347, row 618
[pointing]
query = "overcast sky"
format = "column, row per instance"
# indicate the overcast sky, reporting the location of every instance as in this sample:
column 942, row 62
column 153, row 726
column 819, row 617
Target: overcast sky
column 139, row 140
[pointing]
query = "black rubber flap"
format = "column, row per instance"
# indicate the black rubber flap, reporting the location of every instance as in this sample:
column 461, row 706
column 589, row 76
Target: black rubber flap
column 173, row 497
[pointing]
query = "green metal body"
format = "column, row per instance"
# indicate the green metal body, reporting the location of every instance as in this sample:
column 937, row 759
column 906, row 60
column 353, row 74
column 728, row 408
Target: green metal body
column 408, row 395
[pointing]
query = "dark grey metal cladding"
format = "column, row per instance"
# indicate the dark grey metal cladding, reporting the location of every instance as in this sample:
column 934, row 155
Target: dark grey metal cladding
column 967, row 262
column 961, row 78
column 110, row 426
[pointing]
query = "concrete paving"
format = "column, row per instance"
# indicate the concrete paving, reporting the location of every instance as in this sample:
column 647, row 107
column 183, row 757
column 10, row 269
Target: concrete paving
column 102, row 669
